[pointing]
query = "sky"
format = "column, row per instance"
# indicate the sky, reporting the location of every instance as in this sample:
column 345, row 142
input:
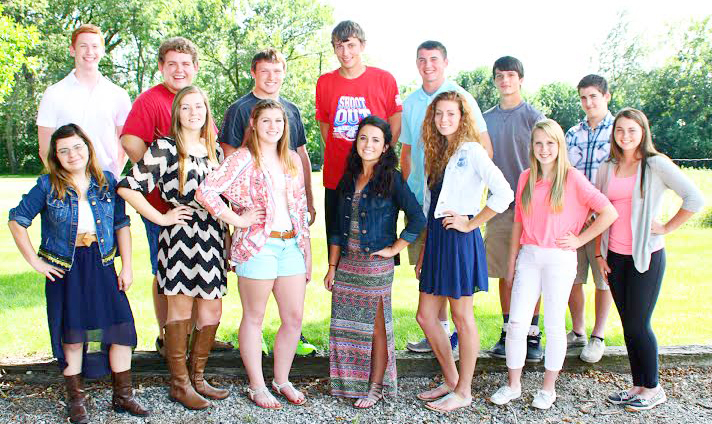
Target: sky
column 555, row 40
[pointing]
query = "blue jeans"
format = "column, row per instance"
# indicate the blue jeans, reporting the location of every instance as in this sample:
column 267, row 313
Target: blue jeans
column 152, row 232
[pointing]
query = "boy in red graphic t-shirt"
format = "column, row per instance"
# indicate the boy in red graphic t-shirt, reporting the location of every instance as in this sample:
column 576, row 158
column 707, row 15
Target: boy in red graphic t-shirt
column 344, row 97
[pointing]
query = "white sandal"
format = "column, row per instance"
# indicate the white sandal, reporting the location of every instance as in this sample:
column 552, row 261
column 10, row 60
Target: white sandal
column 280, row 387
column 251, row 394
column 461, row 402
column 433, row 398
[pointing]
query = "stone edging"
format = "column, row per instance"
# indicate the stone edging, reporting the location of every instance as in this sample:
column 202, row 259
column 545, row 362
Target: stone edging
column 409, row 364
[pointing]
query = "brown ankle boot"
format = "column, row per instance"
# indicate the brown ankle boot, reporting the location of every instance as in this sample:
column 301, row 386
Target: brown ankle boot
column 123, row 399
column 202, row 342
column 181, row 389
column 75, row 406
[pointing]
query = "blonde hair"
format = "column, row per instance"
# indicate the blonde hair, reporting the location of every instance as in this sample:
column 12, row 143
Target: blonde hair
column 556, row 196
column 207, row 133
column 253, row 143
column 59, row 178
column 438, row 150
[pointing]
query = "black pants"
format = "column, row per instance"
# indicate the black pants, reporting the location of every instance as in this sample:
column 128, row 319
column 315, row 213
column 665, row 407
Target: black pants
column 635, row 295
column 331, row 200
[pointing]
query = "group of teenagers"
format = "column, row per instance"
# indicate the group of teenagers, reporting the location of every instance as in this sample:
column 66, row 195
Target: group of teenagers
column 556, row 203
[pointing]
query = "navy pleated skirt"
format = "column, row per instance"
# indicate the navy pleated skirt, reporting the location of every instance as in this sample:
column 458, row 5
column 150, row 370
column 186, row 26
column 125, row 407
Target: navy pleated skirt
column 454, row 263
column 86, row 306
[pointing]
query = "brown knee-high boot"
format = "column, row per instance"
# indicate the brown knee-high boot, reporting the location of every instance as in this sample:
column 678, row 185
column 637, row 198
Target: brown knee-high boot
column 75, row 405
column 202, row 341
column 181, row 389
column 123, row 399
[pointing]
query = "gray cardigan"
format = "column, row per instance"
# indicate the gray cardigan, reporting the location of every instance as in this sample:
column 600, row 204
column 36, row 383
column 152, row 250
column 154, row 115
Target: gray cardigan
column 661, row 174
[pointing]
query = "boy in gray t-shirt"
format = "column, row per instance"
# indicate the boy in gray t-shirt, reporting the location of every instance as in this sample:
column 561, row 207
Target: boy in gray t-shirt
column 509, row 124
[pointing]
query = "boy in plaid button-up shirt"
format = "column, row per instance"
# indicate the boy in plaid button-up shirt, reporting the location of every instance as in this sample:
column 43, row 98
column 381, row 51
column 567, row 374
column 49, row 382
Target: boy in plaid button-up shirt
column 588, row 144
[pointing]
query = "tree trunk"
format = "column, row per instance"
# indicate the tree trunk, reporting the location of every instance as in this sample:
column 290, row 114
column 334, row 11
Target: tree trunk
column 10, row 143
column 10, row 133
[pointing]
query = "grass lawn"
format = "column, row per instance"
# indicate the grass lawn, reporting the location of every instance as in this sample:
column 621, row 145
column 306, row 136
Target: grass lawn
column 682, row 315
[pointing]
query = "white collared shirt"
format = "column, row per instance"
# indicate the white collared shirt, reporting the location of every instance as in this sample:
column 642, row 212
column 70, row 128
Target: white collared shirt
column 98, row 112
column 467, row 173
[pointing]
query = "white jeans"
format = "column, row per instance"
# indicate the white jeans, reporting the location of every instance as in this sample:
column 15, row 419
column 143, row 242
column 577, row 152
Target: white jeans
column 540, row 271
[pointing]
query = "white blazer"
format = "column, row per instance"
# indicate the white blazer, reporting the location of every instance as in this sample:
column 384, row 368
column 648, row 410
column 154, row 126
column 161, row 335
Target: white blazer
column 467, row 174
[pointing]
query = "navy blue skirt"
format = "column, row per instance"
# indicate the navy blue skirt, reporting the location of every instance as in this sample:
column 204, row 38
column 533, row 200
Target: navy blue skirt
column 454, row 263
column 86, row 306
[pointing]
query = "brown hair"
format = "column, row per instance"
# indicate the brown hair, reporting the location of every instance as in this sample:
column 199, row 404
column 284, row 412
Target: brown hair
column 270, row 55
column 180, row 45
column 437, row 149
column 346, row 29
column 646, row 148
column 59, row 178
column 87, row 29
column 253, row 144
column 556, row 194
column 207, row 132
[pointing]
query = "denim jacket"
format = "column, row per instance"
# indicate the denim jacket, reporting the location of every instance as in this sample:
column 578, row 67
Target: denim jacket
column 59, row 219
column 378, row 216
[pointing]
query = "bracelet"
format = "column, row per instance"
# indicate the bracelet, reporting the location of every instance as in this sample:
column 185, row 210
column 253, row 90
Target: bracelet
column 599, row 256
column 332, row 264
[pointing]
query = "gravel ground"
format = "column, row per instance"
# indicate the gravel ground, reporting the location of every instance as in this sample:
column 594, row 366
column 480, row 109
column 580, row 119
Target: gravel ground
column 580, row 400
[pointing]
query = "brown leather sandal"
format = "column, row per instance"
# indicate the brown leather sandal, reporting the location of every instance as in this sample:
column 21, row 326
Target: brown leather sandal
column 375, row 394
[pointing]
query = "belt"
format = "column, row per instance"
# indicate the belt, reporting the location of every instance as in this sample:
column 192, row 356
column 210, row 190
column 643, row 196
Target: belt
column 85, row 239
column 284, row 235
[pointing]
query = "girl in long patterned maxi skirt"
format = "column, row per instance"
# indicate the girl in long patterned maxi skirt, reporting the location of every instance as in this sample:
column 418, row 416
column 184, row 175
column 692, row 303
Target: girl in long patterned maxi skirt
column 362, row 246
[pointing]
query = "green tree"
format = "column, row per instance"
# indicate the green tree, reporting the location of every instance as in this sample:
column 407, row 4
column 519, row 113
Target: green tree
column 620, row 60
column 128, row 25
column 677, row 98
column 15, row 42
column 230, row 33
column 479, row 83
column 558, row 101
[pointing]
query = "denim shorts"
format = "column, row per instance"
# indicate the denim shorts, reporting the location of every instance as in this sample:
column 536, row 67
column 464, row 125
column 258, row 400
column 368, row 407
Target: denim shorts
column 152, row 232
column 277, row 258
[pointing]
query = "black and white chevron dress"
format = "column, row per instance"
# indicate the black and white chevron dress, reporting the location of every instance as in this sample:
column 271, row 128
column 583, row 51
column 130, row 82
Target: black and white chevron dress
column 192, row 257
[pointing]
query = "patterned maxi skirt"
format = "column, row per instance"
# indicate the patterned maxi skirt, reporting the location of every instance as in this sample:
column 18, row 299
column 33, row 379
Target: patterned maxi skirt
column 360, row 284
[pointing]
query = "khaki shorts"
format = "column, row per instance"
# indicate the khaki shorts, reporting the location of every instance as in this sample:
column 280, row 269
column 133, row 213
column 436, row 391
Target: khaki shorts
column 586, row 255
column 498, row 234
column 414, row 248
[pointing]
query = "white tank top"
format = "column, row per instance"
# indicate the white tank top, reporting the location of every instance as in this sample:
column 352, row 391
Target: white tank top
column 281, row 210
column 86, row 218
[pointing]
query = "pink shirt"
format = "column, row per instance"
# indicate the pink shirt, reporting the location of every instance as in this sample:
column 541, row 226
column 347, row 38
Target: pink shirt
column 540, row 226
column 620, row 235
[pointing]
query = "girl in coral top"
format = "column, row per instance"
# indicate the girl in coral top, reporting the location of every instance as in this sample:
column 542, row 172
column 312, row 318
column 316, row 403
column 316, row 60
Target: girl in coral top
column 631, row 253
column 552, row 203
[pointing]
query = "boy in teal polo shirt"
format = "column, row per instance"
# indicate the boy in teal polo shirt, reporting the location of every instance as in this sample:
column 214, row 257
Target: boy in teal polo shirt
column 431, row 61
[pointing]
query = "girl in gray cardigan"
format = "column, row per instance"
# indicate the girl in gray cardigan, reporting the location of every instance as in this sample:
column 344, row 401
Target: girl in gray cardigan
column 631, row 252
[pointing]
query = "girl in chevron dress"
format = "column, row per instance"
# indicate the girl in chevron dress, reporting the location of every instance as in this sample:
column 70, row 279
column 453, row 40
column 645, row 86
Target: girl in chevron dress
column 192, row 244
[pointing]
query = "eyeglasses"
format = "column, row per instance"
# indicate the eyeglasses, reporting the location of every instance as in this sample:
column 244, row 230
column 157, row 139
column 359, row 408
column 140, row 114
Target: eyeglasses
column 77, row 148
